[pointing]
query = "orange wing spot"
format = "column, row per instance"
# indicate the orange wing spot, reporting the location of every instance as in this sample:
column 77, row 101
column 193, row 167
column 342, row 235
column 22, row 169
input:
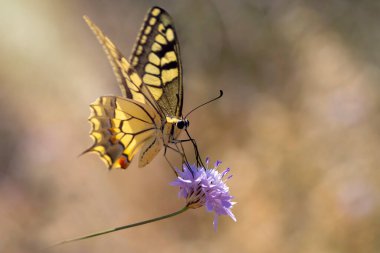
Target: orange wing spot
column 113, row 130
column 123, row 162
column 113, row 139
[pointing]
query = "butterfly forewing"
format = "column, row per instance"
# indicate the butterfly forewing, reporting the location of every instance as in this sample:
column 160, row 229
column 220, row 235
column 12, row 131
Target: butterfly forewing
column 129, row 80
column 156, row 58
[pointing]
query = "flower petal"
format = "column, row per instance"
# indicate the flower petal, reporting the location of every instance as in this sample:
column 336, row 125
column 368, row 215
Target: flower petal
column 205, row 187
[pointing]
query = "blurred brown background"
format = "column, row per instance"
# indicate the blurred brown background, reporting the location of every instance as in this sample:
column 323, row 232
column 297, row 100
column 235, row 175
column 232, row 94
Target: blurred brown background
column 298, row 125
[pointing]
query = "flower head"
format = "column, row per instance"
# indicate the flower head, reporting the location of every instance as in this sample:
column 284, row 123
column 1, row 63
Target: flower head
column 205, row 187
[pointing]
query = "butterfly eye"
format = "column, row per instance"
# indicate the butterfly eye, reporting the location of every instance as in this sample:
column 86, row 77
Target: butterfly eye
column 187, row 123
column 181, row 124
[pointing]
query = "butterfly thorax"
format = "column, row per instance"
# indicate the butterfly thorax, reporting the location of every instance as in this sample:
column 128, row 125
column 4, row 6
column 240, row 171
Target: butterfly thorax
column 172, row 128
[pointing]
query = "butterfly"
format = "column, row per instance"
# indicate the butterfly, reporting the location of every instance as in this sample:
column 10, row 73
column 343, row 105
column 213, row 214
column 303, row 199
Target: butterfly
column 148, row 115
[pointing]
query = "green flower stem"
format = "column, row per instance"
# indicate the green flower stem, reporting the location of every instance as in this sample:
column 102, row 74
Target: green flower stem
column 123, row 227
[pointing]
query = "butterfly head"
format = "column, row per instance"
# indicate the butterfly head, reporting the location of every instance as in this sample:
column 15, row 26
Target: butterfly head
column 183, row 123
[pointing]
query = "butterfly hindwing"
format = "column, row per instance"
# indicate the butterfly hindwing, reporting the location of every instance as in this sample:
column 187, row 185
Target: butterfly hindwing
column 149, row 150
column 120, row 127
column 156, row 58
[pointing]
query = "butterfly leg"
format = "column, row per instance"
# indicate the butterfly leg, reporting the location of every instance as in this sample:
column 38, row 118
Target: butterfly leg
column 170, row 164
column 183, row 153
column 178, row 151
column 196, row 150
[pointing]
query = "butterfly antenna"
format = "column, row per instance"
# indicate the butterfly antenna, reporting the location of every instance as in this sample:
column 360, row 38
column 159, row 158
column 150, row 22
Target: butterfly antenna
column 220, row 95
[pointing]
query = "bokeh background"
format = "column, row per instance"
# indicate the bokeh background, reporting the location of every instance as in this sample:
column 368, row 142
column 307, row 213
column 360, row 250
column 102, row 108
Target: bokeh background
column 298, row 125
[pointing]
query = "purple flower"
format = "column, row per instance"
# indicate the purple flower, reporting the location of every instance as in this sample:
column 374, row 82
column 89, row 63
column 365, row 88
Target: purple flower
column 205, row 187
